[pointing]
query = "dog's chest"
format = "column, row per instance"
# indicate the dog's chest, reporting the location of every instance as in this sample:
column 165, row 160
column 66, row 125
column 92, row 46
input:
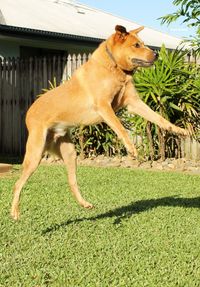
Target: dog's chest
column 118, row 99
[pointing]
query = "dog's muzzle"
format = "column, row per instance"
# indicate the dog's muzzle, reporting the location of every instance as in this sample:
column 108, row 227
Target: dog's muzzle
column 143, row 63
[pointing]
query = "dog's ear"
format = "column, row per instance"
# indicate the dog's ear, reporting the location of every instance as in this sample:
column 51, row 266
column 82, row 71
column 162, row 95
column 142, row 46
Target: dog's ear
column 135, row 31
column 120, row 29
column 120, row 34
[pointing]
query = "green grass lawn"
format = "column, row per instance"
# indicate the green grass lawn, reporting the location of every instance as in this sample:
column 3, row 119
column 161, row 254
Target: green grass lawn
column 144, row 230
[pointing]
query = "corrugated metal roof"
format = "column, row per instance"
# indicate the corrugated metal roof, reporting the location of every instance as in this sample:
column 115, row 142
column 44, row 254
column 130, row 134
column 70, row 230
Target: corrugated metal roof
column 74, row 18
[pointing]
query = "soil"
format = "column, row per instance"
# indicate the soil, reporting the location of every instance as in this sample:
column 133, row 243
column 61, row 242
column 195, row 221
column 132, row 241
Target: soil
column 5, row 168
column 181, row 165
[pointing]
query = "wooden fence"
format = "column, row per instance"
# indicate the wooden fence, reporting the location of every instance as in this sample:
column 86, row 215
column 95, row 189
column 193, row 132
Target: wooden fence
column 21, row 80
column 190, row 149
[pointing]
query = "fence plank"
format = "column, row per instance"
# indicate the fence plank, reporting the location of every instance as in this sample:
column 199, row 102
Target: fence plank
column 59, row 74
column 22, row 102
column 8, row 130
column 190, row 149
column 79, row 61
column 69, row 66
column 4, row 100
column 84, row 58
column 64, row 69
column 44, row 68
column 1, row 99
column 73, row 63
column 53, row 70
column 14, row 109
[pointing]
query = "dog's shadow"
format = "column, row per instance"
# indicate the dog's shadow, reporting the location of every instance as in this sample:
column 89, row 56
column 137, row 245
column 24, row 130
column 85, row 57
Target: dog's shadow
column 131, row 209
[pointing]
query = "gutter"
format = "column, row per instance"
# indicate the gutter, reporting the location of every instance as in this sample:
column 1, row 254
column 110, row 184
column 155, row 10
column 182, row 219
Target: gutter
column 15, row 31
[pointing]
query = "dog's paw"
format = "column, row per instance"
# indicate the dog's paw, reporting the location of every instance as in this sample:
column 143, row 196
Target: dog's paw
column 14, row 214
column 87, row 205
column 133, row 154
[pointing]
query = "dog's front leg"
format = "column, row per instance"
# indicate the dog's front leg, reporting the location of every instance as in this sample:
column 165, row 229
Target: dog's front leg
column 109, row 117
column 137, row 106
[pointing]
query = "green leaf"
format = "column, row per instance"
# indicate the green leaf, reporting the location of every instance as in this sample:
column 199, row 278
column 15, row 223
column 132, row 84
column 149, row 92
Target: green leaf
column 175, row 107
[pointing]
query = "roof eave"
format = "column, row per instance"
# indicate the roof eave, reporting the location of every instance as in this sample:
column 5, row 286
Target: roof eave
column 14, row 31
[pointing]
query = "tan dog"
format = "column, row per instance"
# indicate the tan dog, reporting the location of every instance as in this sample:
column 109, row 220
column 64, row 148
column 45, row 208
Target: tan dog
column 97, row 89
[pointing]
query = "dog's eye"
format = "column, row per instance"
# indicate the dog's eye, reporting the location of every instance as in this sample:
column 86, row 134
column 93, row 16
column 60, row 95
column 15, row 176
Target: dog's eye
column 137, row 45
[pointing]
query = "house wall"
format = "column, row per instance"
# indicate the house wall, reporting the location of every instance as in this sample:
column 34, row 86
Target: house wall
column 10, row 47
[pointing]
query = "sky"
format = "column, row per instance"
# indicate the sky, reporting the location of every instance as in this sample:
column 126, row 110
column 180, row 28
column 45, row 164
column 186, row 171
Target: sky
column 144, row 12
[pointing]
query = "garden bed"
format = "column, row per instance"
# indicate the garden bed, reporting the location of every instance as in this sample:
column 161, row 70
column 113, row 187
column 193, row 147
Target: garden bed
column 170, row 164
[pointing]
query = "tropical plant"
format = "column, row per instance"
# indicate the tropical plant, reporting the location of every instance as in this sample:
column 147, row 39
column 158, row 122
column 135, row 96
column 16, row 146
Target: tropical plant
column 189, row 12
column 170, row 88
column 95, row 140
column 52, row 85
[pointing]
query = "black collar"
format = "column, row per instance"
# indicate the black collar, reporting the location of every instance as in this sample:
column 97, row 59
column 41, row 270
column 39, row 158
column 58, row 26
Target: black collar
column 110, row 55
column 113, row 59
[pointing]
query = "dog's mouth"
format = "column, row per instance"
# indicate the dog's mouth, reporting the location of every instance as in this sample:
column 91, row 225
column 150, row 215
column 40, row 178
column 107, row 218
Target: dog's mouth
column 142, row 63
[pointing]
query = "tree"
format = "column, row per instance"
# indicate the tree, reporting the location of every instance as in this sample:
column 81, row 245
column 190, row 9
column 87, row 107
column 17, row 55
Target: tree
column 189, row 11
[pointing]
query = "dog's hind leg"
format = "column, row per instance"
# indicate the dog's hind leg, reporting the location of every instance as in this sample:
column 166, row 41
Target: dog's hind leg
column 68, row 154
column 34, row 150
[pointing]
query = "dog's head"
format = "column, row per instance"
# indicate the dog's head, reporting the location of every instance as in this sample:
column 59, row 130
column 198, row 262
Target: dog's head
column 129, row 50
